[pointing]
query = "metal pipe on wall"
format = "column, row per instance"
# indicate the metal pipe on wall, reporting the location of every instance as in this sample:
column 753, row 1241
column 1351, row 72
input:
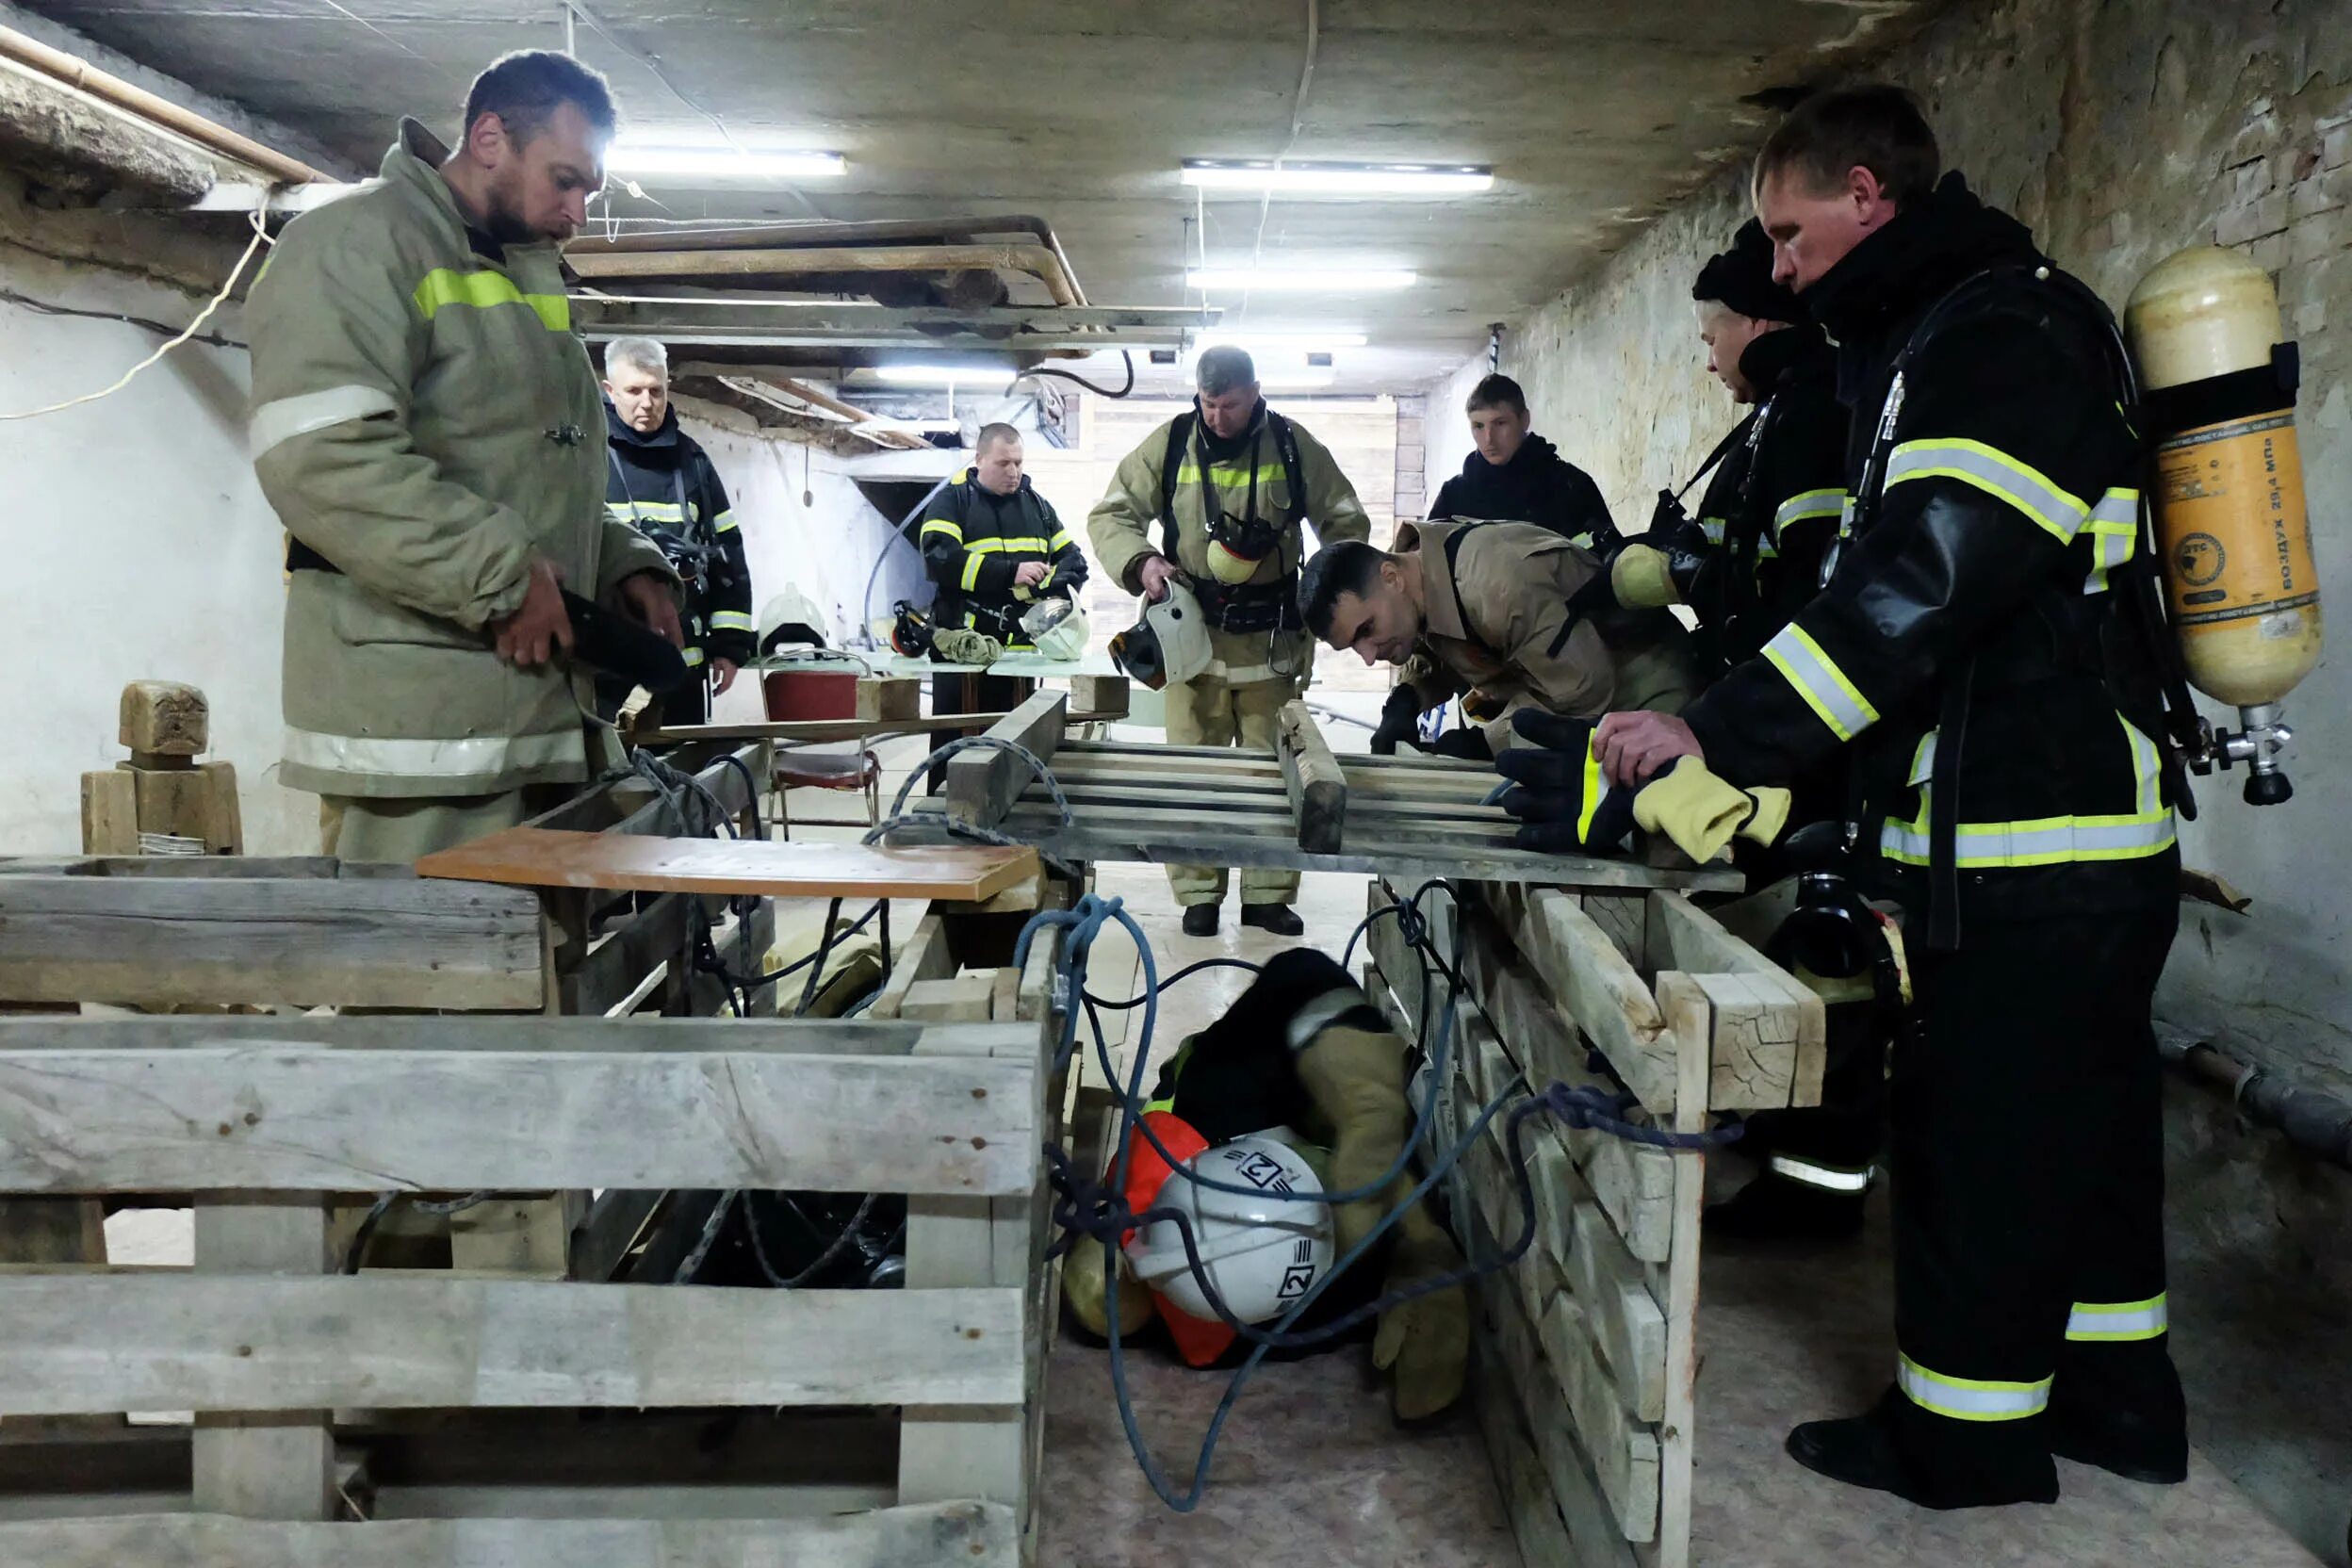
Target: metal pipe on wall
column 2316, row 1122
column 83, row 76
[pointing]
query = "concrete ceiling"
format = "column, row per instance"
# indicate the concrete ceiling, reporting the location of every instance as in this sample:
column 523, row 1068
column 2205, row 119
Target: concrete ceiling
column 1595, row 115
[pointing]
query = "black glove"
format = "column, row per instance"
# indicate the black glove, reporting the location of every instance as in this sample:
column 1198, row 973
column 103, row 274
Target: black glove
column 1558, row 792
column 1695, row 562
column 1467, row 743
column 1400, row 718
column 1598, row 593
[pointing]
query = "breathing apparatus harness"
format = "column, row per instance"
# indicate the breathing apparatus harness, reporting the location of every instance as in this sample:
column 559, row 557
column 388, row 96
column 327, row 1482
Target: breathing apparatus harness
column 1268, row 607
column 691, row 548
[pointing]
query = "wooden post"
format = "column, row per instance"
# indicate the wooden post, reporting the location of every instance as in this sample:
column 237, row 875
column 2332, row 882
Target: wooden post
column 983, row 783
column 889, row 696
column 281, row 1464
column 1318, row 791
column 1103, row 696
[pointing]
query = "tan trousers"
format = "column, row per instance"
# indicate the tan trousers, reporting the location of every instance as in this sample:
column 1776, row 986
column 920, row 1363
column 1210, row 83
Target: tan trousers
column 402, row 830
column 1208, row 712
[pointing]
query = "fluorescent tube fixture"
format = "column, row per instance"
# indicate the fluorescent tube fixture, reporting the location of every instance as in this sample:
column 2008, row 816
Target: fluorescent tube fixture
column 1301, row 280
column 1338, row 179
column 634, row 161
column 1282, row 342
column 941, row 375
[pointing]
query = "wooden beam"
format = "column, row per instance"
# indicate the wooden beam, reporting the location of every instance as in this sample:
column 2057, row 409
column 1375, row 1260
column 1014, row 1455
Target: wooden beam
column 818, row 730
column 1318, row 791
column 349, row 942
column 546, row 857
column 525, row 1104
column 1682, row 1004
column 1770, row 1032
column 941, row 1535
column 268, row 1462
column 1589, row 977
column 924, row 956
column 983, row 783
column 97, row 1343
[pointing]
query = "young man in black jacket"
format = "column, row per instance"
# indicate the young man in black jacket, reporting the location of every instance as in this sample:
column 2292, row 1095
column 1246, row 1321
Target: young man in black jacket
column 660, row 480
column 1972, row 659
column 1519, row 478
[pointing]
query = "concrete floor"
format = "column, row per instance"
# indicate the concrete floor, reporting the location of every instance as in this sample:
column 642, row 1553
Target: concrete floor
column 1311, row 1470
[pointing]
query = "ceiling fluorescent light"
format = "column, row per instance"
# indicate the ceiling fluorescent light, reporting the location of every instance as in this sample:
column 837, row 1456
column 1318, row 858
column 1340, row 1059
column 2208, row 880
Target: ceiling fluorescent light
column 1301, row 280
column 1338, row 179
column 633, row 161
column 941, row 375
column 1281, row 342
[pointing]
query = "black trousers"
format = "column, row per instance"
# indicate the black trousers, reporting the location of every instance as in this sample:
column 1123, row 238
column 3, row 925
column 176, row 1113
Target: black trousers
column 2028, row 1161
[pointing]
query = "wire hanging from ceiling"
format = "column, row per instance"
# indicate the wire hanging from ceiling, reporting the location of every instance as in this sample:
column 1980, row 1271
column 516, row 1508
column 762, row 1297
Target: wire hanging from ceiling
column 1297, row 124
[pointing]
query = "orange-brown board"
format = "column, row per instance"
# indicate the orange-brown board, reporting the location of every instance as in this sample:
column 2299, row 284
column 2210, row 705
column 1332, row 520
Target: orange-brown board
column 546, row 857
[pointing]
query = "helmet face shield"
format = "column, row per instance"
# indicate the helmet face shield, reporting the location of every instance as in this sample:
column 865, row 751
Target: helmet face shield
column 1169, row 645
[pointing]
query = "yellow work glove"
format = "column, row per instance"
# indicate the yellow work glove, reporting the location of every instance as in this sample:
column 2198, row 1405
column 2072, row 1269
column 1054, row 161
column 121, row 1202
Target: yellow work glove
column 1426, row 1340
column 1082, row 1287
column 1640, row 579
column 957, row 646
column 1701, row 814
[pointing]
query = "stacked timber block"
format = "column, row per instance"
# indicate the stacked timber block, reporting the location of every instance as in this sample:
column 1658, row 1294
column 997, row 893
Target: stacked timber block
column 162, row 800
column 1587, row 1353
column 889, row 696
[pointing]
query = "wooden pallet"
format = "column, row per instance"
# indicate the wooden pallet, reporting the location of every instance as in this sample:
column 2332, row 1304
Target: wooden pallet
column 1298, row 807
column 1588, row 1345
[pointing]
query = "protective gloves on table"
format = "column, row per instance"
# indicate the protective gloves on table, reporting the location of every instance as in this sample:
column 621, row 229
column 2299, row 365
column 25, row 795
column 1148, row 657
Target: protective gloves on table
column 1564, row 803
column 957, row 647
column 1400, row 716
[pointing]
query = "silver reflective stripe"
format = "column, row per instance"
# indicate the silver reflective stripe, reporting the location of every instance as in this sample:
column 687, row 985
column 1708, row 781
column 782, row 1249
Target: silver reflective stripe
column 1828, row 1178
column 2115, row 532
column 731, row 620
column 1713, row 528
column 1308, row 1022
column 2053, row 840
column 461, row 757
column 1970, row 1398
column 288, row 417
column 1997, row 474
column 1811, row 503
column 2118, row 1320
column 1823, row 686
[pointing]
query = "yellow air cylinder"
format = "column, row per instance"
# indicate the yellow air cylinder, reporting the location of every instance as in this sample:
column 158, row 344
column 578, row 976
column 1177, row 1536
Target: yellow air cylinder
column 2229, row 511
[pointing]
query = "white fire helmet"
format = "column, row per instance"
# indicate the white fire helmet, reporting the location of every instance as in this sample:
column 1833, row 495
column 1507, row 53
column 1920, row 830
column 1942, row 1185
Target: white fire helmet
column 1263, row 1251
column 1169, row 645
column 1057, row 627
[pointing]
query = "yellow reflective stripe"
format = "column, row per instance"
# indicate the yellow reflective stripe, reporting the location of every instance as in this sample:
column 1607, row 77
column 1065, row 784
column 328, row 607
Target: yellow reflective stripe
column 2148, row 829
column 692, row 656
column 941, row 525
column 725, row 522
column 1026, row 542
column 972, row 570
column 661, row 512
column 1999, row 475
column 1809, row 504
column 1835, row 700
column 2119, row 1320
column 2114, row 531
column 1059, row 542
column 731, row 620
column 1970, row 1398
column 1229, row 476
column 1714, row 527
column 1594, row 786
column 481, row 290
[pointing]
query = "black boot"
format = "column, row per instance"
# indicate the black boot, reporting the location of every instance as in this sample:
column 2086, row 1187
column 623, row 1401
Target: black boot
column 1280, row 919
column 1200, row 920
column 1868, row 1451
column 1772, row 1208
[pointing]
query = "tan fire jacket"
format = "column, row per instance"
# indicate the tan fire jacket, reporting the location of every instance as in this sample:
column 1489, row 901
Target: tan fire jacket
column 424, row 419
column 1495, row 620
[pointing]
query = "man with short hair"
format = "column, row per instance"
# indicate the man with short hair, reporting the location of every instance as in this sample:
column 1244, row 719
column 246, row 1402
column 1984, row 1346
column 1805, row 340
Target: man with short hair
column 1514, row 475
column 1485, row 606
column 1997, row 701
column 424, row 422
column 1224, row 488
column 660, row 481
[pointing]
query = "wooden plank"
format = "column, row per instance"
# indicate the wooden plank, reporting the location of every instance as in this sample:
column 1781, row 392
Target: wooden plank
column 80, row 1342
column 983, row 783
column 359, row 941
column 964, row 1534
column 1623, row 1453
column 1318, row 791
column 1633, row 1183
column 926, row 957
column 960, row 999
column 1695, row 941
column 1004, row 995
column 1623, row 918
column 270, row 1463
column 109, row 813
column 541, row 857
column 271, row 1105
column 630, row 805
column 1590, row 979
column 789, row 732
column 889, row 696
column 1681, row 1000
column 1754, row 1026
column 1616, row 1308
column 1543, row 1540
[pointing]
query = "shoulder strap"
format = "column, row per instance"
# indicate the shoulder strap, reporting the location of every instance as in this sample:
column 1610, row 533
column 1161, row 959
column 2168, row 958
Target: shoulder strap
column 1737, row 434
column 1453, row 576
column 1294, row 476
column 1179, row 438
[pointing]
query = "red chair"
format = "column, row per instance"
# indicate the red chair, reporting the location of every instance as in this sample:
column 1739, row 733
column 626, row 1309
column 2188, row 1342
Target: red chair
column 799, row 768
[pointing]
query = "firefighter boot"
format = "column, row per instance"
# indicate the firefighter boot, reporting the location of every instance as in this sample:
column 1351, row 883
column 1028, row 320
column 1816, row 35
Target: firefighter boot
column 2119, row 1406
column 1772, row 1208
column 1949, row 1469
